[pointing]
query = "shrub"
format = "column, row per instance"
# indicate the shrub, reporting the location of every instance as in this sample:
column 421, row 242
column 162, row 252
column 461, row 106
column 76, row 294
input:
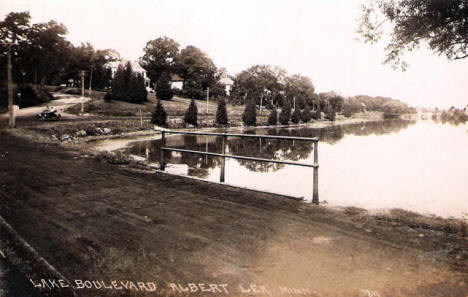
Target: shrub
column 330, row 115
column 285, row 113
column 159, row 116
column 221, row 113
column 347, row 112
column 296, row 116
column 317, row 114
column 273, row 117
column 191, row 115
column 163, row 87
column 306, row 115
column 107, row 97
column 249, row 117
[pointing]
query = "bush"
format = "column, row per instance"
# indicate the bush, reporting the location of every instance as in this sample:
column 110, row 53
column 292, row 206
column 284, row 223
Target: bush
column 317, row 114
column 249, row 117
column 330, row 115
column 159, row 116
column 285, row 114
column 306, row 115
column 191, row 115
column 296, row 116
column 347, row 112
column 107, row 97
column 221, row 113
column 273, row 117
column 163, row 87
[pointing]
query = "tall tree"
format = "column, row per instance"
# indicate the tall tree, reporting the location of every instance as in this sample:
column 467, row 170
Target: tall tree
column 163, row 87
column 159, row 116
column 273, row 117
column 221, row 113
column 249, row 117
column 191, row 115
column 160, row 55
column 441, row 24
column 260, row 82
column 195, row 66
column 285, row 113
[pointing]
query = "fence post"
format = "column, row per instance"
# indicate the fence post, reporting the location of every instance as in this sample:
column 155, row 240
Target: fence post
column 163, row 144
column 315, row 195
column 223, row 162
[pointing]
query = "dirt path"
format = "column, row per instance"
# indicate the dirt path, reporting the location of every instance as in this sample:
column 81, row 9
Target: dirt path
column 97, row 222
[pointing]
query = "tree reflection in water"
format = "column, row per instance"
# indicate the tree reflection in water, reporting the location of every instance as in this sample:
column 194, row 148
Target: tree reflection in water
column 275, row 149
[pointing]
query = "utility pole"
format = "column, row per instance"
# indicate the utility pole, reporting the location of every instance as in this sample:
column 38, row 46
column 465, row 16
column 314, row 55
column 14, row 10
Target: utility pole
column 82, row 90
column 261, row 103
column 207, row 98
column 11, row 113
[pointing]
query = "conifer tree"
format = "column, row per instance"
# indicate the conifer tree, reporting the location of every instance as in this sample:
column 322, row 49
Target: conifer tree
column 296, row 116
column 306, row 115
column 285, row 113
column 249, row 117
column 159, row 116
column 163, row 87
column 191, row 115
column 221, row 113
column 273, row 117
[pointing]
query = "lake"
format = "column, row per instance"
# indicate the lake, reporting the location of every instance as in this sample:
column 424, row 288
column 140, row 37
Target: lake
column 418, row 166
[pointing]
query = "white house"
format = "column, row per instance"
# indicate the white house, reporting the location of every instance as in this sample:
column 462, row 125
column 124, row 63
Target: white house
column 177, row 82
column 227, row 82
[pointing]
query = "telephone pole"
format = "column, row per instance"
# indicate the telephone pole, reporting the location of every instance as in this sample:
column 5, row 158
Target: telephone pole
column 82, row 90
column 207, row 98
column 11, row 113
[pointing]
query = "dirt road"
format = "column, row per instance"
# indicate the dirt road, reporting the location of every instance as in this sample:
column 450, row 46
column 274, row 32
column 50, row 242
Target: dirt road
column 61, row 103
column 115, row 232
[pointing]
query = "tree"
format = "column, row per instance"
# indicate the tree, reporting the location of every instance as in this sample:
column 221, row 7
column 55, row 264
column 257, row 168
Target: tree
column 128, row 85
column 136, row 90
column 273, row 117
column 160, row 55
column 191, row 114
column 330, row 114
column 301, row 88
column 296, row 116
column 194, row 65
column 163, row 87
column 258, row 81
column 441, row 24
column 306, row 115
column 159, row 116
column 317, row 115
column 221, row 113
column 249, row 117
column 118, row 91
column 285, row 113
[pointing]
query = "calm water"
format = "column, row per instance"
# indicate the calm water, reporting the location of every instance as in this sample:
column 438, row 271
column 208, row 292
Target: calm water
column 419, row 166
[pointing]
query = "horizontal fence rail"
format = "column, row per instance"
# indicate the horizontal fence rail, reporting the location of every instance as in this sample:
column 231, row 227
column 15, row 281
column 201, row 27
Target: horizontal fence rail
column 315, row 165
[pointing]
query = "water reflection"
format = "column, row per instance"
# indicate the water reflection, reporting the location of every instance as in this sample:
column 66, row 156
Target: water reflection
column 276, row 149
column 419, row 166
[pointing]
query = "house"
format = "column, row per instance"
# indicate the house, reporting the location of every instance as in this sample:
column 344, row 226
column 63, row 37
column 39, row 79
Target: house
column 227, row 82
column 177, row 82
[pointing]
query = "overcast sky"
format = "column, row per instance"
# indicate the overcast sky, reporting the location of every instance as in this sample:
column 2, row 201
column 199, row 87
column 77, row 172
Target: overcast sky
column 315, row 38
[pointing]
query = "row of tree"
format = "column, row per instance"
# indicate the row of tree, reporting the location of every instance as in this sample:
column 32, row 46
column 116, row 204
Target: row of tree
column 42, row 55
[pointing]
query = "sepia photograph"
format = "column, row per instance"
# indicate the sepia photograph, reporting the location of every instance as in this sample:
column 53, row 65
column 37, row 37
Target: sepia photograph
column 234, row 148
